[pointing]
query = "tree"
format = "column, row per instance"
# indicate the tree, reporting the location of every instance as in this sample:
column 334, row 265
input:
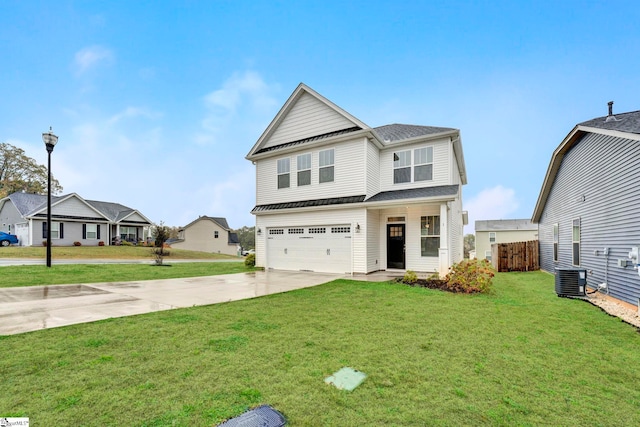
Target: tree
column 469, row 244
column 247, row 237
column 161, row 233
column 19, row 172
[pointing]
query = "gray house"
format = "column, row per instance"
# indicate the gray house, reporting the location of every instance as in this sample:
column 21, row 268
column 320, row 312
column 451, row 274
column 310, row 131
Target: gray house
column 588, row 207
column 73, row 219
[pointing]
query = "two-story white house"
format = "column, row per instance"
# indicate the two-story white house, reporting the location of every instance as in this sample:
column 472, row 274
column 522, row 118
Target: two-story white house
column 335, row 195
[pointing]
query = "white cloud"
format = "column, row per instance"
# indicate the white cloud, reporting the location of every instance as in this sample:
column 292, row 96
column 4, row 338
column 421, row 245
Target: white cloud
column 491, row 203
column 242, row 94
column 89, row 57
column 130, row 112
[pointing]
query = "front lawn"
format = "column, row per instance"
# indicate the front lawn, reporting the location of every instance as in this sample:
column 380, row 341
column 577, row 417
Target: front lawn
column 104, row 252
column 34, row 275
column 519, row 356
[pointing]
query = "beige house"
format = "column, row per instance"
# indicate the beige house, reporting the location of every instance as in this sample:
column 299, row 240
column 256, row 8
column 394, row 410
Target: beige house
column 208, row 234
column 493, row 231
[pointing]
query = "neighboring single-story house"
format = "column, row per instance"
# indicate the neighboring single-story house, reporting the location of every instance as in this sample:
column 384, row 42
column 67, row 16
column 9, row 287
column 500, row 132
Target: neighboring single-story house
column 493, row 231
column 208, row 234
column 73, row 219
column 587, row 210
column 336, row 195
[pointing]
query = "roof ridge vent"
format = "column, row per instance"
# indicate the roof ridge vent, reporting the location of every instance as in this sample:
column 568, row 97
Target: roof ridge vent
column 610, row 117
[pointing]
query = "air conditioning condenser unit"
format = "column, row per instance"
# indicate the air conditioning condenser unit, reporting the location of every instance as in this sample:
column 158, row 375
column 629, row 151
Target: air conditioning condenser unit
column 571, row 282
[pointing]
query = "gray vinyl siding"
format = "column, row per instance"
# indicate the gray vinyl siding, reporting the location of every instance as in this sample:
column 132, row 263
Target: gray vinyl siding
column 605, row 170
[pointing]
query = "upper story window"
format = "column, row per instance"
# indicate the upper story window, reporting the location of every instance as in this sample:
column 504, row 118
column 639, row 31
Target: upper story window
column 284, row 167
column 215, row 234
column 423, row 167
column 304, row 169
column 402, row 166
column 492, row 237
column 326, row 160
column 556, row 240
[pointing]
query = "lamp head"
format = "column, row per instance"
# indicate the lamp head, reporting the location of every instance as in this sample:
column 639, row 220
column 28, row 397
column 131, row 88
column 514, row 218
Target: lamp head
column 50, row 140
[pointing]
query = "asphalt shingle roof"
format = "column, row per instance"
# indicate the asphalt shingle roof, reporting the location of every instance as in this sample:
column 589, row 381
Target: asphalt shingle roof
column 309, row 139
column 309, row 203
column 624, row 122
column 398, row 132
column 415, row 193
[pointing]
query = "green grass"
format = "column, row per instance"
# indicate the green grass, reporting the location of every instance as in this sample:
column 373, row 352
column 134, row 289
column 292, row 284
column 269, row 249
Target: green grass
column 104, row 252
column 13, row 276
column 520, row 356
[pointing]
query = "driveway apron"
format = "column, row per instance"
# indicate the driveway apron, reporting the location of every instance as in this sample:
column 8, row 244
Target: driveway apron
column 32, row 308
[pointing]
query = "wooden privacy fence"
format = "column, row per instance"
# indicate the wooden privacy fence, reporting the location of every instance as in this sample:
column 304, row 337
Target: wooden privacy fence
column 519, row 256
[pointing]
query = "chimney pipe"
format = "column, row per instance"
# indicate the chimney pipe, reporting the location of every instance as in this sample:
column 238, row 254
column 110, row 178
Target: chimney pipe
column 610, row 103
column 610, row 117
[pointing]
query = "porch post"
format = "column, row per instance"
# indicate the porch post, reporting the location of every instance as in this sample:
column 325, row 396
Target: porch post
column 443, row 252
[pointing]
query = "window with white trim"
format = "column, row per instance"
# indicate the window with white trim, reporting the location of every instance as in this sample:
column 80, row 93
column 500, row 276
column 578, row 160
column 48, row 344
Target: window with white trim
column 304, row 169
column 556, row 240
column 487, row 255
column 215, row 234
column 423, row 164
column 92, row 231
column 55, row 230
column 430, row 235
column 326, row 163
column 492, row 237
column 284, row 167
column 575, row 240
column 402, row 166
column 128, row 234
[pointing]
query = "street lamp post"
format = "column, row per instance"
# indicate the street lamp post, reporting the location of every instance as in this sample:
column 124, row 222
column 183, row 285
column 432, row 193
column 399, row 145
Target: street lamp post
column 50, row 141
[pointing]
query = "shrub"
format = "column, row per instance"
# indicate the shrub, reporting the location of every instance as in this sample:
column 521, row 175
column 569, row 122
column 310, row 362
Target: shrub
column 100, row 243
column 470, row 276
column 44, row 243
column 250, row 260
column 76, row 243
column 410, row 277
column 125, row 243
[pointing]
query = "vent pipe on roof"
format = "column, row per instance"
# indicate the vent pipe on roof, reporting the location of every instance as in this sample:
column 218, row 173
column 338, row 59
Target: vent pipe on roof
column 610, row 117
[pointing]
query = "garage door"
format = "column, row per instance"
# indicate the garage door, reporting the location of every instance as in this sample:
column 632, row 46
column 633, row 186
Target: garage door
column 315, row 248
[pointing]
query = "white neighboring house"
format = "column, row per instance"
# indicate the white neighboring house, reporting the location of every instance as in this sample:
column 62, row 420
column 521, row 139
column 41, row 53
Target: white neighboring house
column 335, row 195
column 493, row 231
column 73, row 219
column 208, row 234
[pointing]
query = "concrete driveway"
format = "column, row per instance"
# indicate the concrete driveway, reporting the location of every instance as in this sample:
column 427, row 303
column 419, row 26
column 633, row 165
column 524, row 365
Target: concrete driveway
column 32, row 308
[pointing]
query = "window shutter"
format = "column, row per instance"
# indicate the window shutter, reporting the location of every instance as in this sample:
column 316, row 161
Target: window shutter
column 44, row 230
column 84, row 231
column 98, row 231
column 61, row 230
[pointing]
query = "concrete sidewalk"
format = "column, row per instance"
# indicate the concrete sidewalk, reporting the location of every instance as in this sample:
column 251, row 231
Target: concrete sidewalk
column 32, row 308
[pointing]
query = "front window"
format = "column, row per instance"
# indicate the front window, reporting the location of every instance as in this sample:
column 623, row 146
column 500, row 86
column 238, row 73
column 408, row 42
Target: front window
column 304, row 169
column 492, row 237
column 556, row 239
column 92, row 231
column 576, row 241
column 401, row 167
column 423, row 167
column 430, row 235
column 127, row 234
column 326, row 159
column 284, row 168
column 487, row 255
column 55, row 230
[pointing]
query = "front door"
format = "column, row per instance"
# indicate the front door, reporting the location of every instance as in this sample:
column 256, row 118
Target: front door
column 395, row 246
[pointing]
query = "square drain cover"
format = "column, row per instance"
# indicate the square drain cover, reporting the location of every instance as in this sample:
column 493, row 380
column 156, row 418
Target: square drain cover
column 346, row 379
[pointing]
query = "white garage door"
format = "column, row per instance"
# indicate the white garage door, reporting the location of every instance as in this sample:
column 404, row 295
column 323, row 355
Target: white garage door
column 316, row 248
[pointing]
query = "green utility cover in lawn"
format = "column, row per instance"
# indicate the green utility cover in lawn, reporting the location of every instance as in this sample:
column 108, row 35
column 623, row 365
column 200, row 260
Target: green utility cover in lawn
column 346, row 379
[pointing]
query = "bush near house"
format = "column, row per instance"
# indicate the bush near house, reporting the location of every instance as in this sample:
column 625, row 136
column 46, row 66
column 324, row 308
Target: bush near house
column 468, row 277
column 250, row 260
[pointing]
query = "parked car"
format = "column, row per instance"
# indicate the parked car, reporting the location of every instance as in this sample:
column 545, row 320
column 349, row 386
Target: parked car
column 7, row 239
column 250, row 251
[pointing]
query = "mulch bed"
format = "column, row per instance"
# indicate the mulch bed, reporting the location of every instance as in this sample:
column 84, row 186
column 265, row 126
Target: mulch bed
column 438, row 284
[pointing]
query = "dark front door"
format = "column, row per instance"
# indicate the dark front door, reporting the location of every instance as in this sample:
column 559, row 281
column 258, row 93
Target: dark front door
column 395, row 246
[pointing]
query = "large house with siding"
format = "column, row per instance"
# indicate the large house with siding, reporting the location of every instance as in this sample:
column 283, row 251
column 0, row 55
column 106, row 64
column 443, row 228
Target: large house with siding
column 208, row 234
column 492, row 231
column 587, row 210
column 335, row 195
column 73, row 219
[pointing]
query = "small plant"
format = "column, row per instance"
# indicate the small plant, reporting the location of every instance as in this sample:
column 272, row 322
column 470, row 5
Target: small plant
column 410, row 277
column 76, row 243
column 126, row 243
column 470, row 276
column 250, row 260
column 161, row 233
column 44, row 243
column 100, row 243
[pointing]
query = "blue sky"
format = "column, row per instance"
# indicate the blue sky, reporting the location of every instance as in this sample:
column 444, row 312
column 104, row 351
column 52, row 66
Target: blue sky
column 156, row 103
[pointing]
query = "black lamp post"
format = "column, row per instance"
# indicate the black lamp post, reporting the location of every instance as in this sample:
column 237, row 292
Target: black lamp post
column 50, row 141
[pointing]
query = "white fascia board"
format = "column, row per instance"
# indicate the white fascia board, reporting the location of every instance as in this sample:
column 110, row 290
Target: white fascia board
column 135, row 211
